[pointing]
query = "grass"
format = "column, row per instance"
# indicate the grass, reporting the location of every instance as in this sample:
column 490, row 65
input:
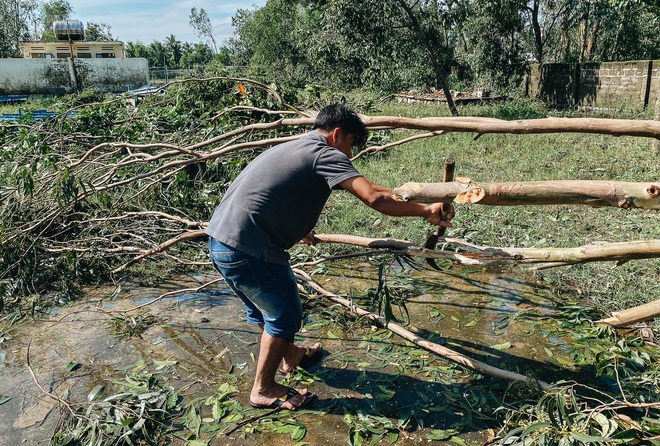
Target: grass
column 500, row 158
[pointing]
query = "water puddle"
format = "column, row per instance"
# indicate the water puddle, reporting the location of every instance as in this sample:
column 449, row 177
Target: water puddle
column 195, row 340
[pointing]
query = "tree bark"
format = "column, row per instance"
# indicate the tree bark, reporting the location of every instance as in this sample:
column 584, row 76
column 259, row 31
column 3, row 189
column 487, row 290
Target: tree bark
column 468, row 124
column 433, row 48
column 536, row 26
column 591, row 193
column 633, row 315
column 614, row 127
column 475, row 255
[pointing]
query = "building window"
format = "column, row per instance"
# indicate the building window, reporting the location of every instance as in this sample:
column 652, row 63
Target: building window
column 85, row 55
column 38, row 55
column 105, row 55
column 63, row 55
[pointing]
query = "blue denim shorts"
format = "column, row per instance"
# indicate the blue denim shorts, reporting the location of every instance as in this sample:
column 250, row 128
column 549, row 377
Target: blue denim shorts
column 268, row 290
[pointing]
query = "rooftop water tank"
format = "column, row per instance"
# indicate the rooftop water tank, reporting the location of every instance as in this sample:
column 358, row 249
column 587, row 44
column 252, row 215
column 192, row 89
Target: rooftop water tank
column 69, row 30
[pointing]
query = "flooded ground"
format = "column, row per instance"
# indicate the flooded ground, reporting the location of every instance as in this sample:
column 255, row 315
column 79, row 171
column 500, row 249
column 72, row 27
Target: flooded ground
column 370, row 383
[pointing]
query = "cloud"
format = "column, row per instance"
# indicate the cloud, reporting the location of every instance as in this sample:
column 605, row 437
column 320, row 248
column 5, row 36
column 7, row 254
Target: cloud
column 149, row 20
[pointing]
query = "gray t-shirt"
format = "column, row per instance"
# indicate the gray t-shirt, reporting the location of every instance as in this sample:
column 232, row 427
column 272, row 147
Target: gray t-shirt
column 277, row 199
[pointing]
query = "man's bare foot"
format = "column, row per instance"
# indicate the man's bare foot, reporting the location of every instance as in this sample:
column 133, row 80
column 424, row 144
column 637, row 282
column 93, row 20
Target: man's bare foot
column 295, row 355
column 281, row 397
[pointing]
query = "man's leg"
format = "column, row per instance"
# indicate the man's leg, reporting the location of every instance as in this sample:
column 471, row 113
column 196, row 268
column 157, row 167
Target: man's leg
column 269, row 292
column 265, row 389
column 294, row 354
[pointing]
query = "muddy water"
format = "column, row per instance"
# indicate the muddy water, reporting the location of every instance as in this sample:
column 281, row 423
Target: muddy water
column 491, row 316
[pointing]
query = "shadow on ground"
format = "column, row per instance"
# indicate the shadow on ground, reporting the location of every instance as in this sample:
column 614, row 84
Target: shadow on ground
column 195, row 340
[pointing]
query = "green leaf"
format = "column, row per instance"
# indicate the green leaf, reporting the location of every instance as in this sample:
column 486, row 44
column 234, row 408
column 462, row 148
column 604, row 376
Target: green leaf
column 583, row 438
column 299, row 433
column 503, row 346
column 73, row 365
column 96, row 392
column 441, row 434
column 218, row 410
column 4, row 399
column 607, row 426
column 534, row 427
column 625, row 437
column 162, row 364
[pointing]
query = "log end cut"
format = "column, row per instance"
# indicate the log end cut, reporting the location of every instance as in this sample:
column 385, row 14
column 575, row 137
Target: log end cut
column 472, row 195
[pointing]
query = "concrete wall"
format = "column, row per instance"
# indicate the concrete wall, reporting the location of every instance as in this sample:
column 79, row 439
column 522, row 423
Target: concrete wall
column 633, row 84
column 62, row 76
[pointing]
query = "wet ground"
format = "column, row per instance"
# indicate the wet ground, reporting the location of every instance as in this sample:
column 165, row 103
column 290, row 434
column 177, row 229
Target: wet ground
column 369, row 381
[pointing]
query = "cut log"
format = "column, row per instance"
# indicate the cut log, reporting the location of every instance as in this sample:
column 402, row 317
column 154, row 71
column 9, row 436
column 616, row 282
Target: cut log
column 591, row 193
column 480, row 126
column 475, row 255
column 614, row 127
column 633, row 315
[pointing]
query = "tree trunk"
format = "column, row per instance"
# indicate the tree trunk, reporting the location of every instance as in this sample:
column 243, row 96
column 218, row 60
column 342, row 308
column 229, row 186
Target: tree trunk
column 633, row 315
column 614, row 127
column 591, row 193
column 466, row 124
column 593, row 38
column 584, row 30
column 474, row 255
column 433, row 48
column 538, row 36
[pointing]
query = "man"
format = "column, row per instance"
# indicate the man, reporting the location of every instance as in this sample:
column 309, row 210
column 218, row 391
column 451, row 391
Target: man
column 274, row 203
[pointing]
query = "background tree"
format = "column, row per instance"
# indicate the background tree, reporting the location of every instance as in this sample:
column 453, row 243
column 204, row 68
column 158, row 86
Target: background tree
column 52, row 11
column 196, row 55
column 174, row 50
column 272, row 39
column 381, row 44
column 493, row 35
column 136, row 49
column 98, row 32
column 156, row 54
column 201, row 24
column 16, row 16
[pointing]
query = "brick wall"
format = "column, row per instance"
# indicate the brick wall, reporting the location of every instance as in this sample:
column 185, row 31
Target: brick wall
column 634, row 84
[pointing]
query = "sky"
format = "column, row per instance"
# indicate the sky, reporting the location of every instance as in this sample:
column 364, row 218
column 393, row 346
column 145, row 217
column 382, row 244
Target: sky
column 154, row 20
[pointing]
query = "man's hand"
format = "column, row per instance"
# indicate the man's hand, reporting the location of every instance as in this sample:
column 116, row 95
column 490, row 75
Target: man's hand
column 310, row 239
column 439, row 218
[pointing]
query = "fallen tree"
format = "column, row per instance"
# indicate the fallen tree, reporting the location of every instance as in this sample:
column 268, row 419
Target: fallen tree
column 474, row 255
column 116, row 184
column 625, row 195
column 635, row 315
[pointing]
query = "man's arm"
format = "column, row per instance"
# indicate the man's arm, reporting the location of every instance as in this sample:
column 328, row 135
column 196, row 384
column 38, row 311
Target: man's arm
column 380, row 198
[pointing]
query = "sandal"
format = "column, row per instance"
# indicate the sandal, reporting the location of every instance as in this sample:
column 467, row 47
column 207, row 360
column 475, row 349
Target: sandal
column 290, row 393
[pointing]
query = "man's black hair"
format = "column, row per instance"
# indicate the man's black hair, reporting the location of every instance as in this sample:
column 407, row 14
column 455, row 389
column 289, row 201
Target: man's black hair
column 339, row 115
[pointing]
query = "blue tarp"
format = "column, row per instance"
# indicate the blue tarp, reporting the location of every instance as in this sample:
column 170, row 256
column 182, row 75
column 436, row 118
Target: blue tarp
column 14, row 98
column 37, row 115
